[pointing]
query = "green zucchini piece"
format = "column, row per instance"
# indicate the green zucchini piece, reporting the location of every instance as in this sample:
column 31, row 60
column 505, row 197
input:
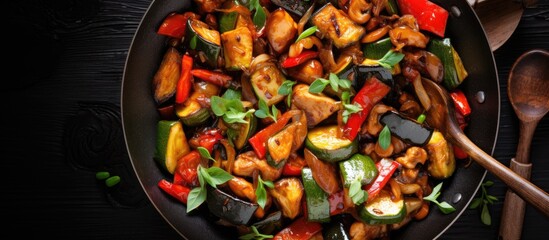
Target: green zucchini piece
column 335, row 25
column 318, row 206
column 324, row 143
column 237, row 48
column 382, row 210
column 200, row 37
column 454, row 71
column 171, row 144
column 266, row 79
column 227, row 20
column 279, row 146
column 378, row 49
column 357, row 168
column 243, row 132
column 408, row 130
column 192, row 114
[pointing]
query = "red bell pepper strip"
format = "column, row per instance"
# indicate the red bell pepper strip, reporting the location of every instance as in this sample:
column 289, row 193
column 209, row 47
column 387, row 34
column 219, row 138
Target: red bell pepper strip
column 300, row 229
column 460, row 102
column 293, row 166
column 177, row 191
column 186, row 171
column 299, row 59
column 385, row 168
column 430, row 16
column 184, row 83
column 259, row 140
column 174, row 25
column 370, row 94
column 217, row 78
column 206, row 138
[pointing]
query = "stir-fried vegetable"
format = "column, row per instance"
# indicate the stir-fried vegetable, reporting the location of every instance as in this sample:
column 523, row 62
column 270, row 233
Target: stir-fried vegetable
column 284, row 117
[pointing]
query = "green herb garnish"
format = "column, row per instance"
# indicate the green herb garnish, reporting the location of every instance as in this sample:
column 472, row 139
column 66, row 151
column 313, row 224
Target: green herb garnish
column 205, row 153
column 308, row 32
column 260, row 16
column 390, row 59
column 384, row 138
column 264, row 112
column 255, row 235
column 231, row 110
column 335, row 82
column 260, row 192
column 286, row 89
column 483, row 201
column 357, row 194
column 212, row 176
column 443, row 206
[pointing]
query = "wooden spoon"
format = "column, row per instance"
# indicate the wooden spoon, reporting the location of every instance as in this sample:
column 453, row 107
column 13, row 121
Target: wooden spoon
column 528, row 91
column 441, row 115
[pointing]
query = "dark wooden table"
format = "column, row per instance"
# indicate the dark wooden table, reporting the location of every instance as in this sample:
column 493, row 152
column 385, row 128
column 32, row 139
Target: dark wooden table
column 61, row 124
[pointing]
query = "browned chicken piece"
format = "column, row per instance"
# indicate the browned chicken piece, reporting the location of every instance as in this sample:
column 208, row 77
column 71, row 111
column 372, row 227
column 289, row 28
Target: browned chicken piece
column 209, row 5
column 287, row 193
column 363, row 231
column 317, row 107
column 246, row 163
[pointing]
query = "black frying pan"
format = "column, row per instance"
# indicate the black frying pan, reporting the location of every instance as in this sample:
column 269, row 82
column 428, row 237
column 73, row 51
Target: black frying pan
column 139, row 118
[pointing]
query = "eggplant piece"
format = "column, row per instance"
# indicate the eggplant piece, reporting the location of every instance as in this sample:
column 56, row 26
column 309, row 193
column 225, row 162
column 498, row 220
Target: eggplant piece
column 271, row 224
column 229, row 208
column 335, row 25
column 358, row 74
column 166, row 77
column 297, row 7
column 407, row 129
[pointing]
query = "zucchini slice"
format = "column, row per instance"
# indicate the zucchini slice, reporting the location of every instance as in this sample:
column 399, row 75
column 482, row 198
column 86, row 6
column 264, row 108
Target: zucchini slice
column 324, row 143
column 318, row 206
column 358, row 168
column 383, row 210
column 243, row 132
column 200, row 37
column 454, row 71
column 334, row 24
column 171, row 144
column 266, row 79
column 191, row 112
column 279, row 146
column 237, row 48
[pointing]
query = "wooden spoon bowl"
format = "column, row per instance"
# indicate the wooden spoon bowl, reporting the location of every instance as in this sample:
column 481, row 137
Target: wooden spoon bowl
column 441, row 115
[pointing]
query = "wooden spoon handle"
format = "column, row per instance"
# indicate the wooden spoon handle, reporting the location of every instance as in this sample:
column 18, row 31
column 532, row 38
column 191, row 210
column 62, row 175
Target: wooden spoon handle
column 512, row 216
column 524, row 188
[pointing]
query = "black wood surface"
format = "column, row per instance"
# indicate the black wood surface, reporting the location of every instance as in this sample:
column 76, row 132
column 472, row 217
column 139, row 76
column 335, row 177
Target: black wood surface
column 62, row 75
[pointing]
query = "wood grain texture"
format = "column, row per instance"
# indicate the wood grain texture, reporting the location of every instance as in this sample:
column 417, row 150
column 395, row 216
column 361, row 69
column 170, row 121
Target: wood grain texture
column 74, row 54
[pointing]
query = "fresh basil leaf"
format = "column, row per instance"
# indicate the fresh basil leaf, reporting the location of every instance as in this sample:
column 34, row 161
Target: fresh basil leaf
column 318, row 85
column 231, row 94
column 233, row 116
column 261, row 195
column 308, row 32
column 260, row 17
column 488, row 183
column 260, row 114
column 390, row 59
column 255, row 235
column 475, row 203
column 345, row 97
column 485, row 215
column 218, row 106
column 207, row 177
column 196, row 197
column 334, row 82
column 275, row 112
column 446, row 208
column 344, row 83
column 205, row 153
column 353, row 108
column 218, row 176
column 385, row 138
column 286, row 87
column 356, row 193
